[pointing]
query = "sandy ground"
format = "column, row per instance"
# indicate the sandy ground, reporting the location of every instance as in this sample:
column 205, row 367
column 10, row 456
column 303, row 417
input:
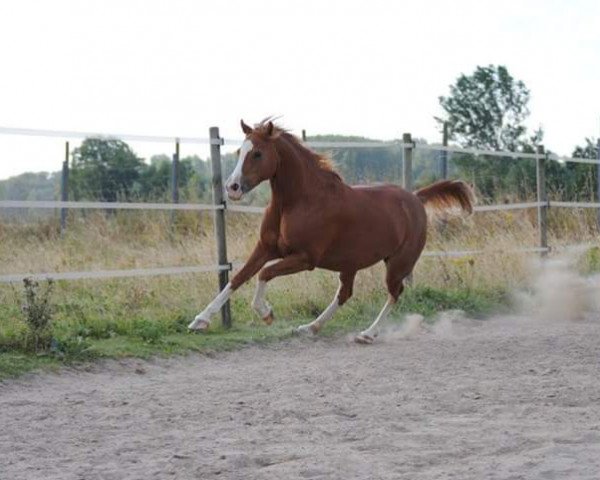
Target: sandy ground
column 504, row 398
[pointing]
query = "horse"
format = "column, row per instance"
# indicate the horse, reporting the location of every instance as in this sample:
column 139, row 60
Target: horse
column 315, row 220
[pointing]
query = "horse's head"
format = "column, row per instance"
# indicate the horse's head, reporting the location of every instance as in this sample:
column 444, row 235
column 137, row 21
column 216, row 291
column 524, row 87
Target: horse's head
column 257, row 160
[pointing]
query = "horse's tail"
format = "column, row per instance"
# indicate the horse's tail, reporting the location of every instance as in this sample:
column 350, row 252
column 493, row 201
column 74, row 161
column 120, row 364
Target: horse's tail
column 447, row 194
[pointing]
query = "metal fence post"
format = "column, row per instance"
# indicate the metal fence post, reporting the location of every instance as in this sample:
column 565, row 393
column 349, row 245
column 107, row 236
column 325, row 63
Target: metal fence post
column 407, row 155
column 407, row 180
column 598, row 179
column 542, row 197
column 219, row 218
column 64, row 189
column 444, row 156
column 175, row 180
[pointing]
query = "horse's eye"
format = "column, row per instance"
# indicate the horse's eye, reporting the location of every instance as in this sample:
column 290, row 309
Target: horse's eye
column 257, row 155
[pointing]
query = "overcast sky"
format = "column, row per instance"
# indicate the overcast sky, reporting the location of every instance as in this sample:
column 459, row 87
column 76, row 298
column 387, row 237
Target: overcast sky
column 372, row 68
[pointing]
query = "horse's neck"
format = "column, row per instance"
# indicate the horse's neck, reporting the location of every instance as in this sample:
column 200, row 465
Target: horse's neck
column 295, row 179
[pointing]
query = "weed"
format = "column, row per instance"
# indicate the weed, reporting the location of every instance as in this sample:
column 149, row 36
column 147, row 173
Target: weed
column 38, row 311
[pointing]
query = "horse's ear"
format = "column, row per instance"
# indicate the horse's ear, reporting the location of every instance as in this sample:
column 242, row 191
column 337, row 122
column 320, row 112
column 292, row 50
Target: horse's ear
column 269, row 129
column 245, row 128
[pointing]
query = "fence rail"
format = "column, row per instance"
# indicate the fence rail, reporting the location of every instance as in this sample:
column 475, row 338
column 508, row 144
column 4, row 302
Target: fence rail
column 475, row 151
column 121, row 136
column 109, row 274
column 44, row 204
column 220, row 207
column 182, row 270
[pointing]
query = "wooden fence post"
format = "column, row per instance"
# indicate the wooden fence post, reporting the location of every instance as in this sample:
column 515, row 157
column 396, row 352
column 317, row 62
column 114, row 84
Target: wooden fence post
column 407, row 155
column 407, row 180
column 175, row 180
column 598, row 179
column 219, row 218
column 444, row 157
column 542, row 197
column 64, row 189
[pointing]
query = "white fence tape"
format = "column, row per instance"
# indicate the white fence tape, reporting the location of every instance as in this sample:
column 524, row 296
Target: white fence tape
column 152, row 272
column 575, row 204
column 66, row 134
column 243, row 208
column 474, row 151
column 316, row 144
column 464, row 253
column 105, row 274
column 357, row 144
column 573, row 160
column 107, row 205
column 507, row 206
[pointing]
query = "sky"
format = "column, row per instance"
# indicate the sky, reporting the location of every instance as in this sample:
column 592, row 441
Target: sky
column 373, row 68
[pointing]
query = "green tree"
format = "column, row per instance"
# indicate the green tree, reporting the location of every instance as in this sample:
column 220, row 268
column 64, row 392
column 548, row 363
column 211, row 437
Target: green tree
column 487, row 110
column 155, row 179
column 575, row 181
column 104, row 169
column 363, row 165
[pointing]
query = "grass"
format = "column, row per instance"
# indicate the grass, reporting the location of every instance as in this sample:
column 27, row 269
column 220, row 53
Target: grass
column 148, row 316
column 91, row 338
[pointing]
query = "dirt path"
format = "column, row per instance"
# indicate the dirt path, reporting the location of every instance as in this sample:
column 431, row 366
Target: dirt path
column 505, row 398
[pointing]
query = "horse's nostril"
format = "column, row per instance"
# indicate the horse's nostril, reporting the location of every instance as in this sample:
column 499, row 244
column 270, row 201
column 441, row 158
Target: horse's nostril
column 235, row 187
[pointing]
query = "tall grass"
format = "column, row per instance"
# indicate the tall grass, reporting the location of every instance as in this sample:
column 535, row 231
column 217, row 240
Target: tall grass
column 147, row 315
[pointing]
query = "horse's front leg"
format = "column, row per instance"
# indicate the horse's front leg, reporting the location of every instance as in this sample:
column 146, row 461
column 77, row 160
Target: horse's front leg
column 257, row 259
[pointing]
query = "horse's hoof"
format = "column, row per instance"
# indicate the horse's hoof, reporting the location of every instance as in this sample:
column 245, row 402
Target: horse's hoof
column 306, row 330
column 364, row 339
column 199, row 325
column 269, row 318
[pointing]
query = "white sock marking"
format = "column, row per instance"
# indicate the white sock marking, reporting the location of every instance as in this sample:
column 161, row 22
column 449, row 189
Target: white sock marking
column 213, row 307
column 373, row 330
column 325, row 316
column 259, row 304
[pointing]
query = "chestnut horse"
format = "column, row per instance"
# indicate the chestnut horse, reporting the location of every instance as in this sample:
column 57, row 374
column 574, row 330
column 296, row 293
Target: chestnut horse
column 315, row 220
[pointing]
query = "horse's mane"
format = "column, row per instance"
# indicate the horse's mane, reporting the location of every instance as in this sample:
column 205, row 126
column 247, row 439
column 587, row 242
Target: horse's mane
column 322, row 161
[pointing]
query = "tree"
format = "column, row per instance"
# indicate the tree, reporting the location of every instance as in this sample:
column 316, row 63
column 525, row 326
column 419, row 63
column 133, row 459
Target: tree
column 155, row 179
column 588, row 174
column 104, row 169
column 487, row 110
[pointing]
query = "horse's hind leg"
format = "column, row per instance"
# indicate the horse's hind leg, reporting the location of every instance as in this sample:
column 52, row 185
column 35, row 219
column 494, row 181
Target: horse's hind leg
column 397, row 270
column 343, row 293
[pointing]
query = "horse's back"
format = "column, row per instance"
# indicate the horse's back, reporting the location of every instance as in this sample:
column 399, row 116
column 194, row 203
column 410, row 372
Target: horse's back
column 375, row 222
column 390, row 198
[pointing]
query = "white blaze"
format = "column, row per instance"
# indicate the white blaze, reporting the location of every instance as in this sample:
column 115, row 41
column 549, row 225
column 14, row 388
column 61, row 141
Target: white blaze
column 236, row 176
